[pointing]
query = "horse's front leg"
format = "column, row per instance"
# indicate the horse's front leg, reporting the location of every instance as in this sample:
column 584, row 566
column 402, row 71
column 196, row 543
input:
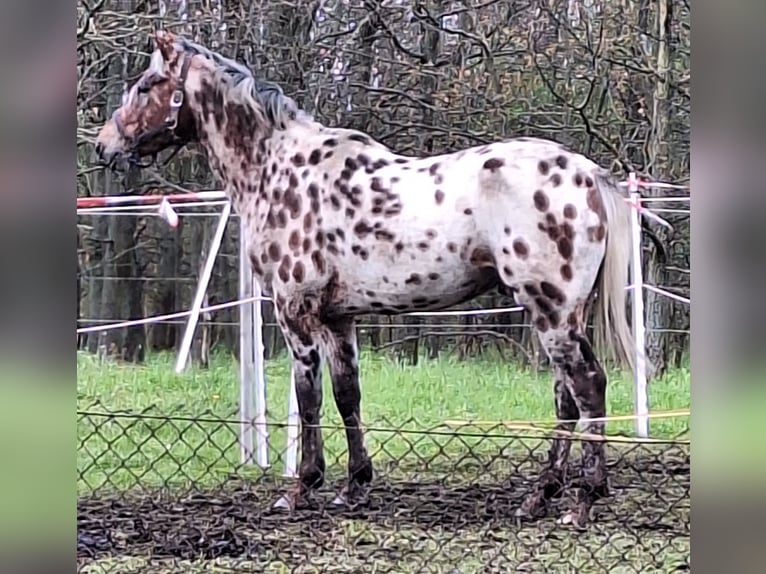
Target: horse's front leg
column 343, row 358
column 307, row 371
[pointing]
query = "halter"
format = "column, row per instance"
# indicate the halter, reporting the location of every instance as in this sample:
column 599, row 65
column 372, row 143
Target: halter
column 170, row 123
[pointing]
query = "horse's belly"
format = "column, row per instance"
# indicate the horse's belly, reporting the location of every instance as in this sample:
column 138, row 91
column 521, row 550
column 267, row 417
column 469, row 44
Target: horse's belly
column 389, row 289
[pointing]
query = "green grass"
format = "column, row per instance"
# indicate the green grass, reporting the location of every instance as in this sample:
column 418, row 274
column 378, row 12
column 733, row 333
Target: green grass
column 125, row 451
column 156, row 438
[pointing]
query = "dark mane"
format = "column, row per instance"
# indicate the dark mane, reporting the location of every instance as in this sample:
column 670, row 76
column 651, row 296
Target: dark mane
column 241, row 85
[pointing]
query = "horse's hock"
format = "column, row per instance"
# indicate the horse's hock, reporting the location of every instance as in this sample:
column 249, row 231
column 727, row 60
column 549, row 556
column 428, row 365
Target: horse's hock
column 444, row 508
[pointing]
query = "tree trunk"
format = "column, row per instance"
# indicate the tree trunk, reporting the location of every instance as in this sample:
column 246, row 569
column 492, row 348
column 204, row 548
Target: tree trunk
column 658, row 307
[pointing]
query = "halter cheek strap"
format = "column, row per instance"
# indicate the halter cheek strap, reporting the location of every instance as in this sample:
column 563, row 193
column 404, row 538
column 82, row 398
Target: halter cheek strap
column 171, row 120
column 177, row 99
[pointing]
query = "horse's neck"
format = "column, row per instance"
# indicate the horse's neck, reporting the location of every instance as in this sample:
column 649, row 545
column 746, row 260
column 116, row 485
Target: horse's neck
column 235, row 161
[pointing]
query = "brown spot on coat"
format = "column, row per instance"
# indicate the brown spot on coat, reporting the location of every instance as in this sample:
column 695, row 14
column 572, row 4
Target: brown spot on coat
column 451, row 247
column 298, row 160
column 318, row 260
column 593, row 197
column 542, row 203
column 295, row 240
column 566, row 272
column 570, row 211
column 541, row 323
column 315, row 157
column 543, row 167
column 553, row 292
column 494, row 163
column 299, row 271
column 482, row 257
column 596, row 233
column 531, row 289
column 561, row 161
column 413, row 279
column 284, row 269
column 308, row 222
column 439, row 196
column 384, row 235
column 362, row 228
column 564, row 246
column 468, row 211
column 377, row 185
column 520, row 248
column 351, row 164
column 556, row 180
column 275, row 252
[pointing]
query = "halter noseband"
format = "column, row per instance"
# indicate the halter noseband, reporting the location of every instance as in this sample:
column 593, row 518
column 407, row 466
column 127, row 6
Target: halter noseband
column 170, row 123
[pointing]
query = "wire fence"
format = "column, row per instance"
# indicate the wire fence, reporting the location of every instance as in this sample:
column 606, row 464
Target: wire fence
column 161, row 486
column 164, row 493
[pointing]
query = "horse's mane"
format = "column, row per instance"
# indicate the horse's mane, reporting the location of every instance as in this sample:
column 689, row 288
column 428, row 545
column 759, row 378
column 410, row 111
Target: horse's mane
column 239, row 84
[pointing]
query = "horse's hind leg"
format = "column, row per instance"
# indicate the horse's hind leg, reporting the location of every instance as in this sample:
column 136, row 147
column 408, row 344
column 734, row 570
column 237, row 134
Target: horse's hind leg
column 552, row 480
column 580, row 390
column 343, row 361
column 587, row 382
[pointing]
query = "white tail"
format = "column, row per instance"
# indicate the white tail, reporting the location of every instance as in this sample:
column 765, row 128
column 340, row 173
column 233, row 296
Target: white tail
column 611, row 330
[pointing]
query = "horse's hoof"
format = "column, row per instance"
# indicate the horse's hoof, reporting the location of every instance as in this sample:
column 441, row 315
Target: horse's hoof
column 352, row 496
column 339, row 500
column 577, row 519
column 284, row 503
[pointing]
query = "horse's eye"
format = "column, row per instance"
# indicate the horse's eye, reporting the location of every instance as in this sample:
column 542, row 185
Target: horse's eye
column 143, row 88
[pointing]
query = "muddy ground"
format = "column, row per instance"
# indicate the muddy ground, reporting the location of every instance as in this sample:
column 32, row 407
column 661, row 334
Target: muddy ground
column 424, row 525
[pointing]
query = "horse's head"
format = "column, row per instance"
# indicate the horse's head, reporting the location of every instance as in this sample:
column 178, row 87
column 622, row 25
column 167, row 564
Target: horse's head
column 153, row 115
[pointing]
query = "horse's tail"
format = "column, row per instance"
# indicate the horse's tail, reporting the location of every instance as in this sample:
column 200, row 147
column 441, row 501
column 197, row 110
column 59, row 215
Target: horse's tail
column 611, row 330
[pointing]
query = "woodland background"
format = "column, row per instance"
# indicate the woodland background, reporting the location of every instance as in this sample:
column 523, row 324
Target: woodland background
column 610, row 78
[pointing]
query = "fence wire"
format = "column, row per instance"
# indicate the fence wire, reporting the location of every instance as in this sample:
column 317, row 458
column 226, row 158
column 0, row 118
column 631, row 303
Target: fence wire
column 165, row 492
column 162, row 491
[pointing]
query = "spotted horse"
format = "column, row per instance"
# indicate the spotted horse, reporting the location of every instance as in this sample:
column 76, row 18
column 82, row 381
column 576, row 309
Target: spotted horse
column 338, row 225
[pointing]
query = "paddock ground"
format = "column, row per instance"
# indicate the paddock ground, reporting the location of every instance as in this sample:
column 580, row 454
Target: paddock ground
column 456, row 520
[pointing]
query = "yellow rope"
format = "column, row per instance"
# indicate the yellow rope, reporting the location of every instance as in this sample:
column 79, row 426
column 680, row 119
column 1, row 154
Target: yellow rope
column 536, row 426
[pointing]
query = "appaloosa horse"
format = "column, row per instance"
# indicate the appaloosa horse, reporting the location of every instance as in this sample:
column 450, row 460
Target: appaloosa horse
column 338, row 225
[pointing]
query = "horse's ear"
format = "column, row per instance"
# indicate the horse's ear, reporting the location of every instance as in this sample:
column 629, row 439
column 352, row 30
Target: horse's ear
column 165, row 42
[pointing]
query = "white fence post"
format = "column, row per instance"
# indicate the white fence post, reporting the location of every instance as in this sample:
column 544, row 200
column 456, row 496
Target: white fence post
column 252, row 380
column 639, row 328
column 261, row 429
column 293, row 425
column 246, row 355
column 199, row 296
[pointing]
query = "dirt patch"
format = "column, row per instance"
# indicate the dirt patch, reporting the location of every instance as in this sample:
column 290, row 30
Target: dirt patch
column 423, row 526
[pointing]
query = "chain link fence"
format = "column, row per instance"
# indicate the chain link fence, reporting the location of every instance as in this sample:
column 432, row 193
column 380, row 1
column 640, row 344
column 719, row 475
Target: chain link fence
column 163, row 492
column 161, row 489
